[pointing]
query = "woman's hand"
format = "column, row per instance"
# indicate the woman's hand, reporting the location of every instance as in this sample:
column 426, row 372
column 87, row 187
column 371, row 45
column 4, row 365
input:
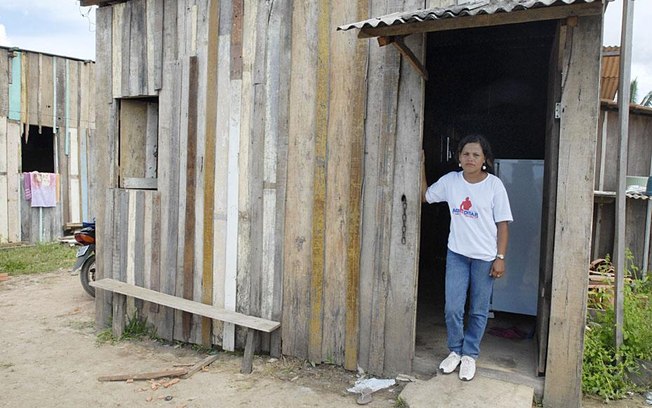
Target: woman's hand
column 498, row 268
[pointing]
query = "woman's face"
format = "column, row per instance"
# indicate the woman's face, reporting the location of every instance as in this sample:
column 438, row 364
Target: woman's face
column 472, row 158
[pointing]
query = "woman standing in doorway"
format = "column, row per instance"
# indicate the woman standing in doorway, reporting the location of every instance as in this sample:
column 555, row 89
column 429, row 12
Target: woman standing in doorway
column 477, row 245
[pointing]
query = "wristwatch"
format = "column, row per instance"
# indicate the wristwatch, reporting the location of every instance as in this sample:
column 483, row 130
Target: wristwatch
column 500, row 256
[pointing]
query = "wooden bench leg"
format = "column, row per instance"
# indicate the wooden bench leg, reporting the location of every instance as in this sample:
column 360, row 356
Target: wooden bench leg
column 247, row 359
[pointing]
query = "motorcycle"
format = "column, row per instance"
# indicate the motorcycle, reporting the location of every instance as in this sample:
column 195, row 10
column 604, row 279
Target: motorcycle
column 86, row 256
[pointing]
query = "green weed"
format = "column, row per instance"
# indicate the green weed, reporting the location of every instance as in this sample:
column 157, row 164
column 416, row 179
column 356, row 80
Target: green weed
column 137, row 328
column 606, row 372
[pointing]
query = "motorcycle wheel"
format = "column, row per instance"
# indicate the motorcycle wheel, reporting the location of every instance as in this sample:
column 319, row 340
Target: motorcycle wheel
column 87, row 274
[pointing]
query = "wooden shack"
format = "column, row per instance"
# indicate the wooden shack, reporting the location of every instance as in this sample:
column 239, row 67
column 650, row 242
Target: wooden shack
column 252, row 157
column 639, row 163
column 47, row 120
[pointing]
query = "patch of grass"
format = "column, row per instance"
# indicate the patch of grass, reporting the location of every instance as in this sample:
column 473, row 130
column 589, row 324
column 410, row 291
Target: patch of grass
column 106, row 336
column 6, row 365
column 38, row 258
column 137, row 328
column 400, row 403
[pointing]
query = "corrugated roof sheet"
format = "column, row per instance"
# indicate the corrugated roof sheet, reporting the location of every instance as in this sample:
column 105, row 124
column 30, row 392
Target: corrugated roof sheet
column 473, row 8
column 610, row 72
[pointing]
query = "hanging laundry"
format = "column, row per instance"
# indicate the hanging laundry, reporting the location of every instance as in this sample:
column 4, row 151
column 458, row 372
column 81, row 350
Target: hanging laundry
column 44, row 189
column 27, row 185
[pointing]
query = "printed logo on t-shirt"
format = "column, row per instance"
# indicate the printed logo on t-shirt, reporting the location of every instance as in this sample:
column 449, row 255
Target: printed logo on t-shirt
column 465, row 209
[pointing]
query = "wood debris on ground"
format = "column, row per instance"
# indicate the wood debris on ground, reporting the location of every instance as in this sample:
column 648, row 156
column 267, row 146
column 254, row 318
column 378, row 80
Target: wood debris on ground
column 4, row 277
column 182, row 372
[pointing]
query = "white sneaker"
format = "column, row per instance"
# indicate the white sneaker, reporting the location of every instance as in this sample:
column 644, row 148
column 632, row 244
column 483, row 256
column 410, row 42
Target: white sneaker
column 450, row 363
column 467, row 368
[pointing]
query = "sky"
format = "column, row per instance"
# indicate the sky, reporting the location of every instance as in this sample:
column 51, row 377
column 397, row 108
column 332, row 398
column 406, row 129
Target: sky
column 62, row 27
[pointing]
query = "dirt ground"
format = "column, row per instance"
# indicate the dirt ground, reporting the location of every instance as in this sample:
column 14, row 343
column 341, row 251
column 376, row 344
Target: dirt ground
column 50, row 357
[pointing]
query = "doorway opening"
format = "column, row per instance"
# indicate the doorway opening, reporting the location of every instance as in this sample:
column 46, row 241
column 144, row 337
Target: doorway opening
column 492, row 81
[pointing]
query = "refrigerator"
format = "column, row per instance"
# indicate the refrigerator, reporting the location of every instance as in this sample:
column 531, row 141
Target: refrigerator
column 516, row 291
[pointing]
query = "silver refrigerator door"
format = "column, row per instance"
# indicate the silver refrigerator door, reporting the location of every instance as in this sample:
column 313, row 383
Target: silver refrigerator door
column 516, row 291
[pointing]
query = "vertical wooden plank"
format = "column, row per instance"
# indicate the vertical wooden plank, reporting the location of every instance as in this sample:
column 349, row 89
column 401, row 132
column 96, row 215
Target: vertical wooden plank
column 301, row 161
column 72, row 92
column 170, row 29
column 169, row 186
column 75, row 186
column 132, row 246
column 191, row 181
column 46, row 99
column 335, row 215
column 154, row 37
column 385, row 199
column 137, row 50
column 252, row 141
column 13, row 181
column 181, row 190
column 5, row 79
column 360, row 50
column 209, row 165
column 139, row 238
column 202, row 73
column 221, row 164
column 117, row 25
column 125, row 68
column 83, row 100
column 102, row 207
column 4, row 220
column 319, row 183
column 148, row 239
column 251, row 83
column 83, row 177
column 549, row 200
column 24, row 88
column 404, row 246
column 372, row 131
column 235, row 154
column 15, row 62
column 120, row 251
column 61, row 138
column 279, row 49
column 155, row 273
column 578, row 129
column 32, row 75
column 151, row 140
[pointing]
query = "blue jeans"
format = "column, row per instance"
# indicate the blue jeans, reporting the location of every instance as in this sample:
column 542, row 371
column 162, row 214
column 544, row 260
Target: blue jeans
column 463, row 273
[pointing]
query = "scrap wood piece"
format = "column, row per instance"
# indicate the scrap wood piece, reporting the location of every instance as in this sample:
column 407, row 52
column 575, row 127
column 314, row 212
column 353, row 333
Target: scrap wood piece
column 177, row 372
column 4, row 277
column 200, row 366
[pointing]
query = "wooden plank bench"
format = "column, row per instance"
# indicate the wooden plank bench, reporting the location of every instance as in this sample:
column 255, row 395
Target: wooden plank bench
column 252, row 323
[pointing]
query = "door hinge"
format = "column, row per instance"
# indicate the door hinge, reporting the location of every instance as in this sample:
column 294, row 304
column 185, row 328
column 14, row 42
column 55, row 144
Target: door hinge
column 557, row 110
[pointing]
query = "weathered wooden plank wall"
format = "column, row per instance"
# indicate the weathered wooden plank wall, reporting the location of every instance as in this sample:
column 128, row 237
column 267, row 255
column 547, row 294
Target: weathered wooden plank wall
column 261, row 200
column 42, row 91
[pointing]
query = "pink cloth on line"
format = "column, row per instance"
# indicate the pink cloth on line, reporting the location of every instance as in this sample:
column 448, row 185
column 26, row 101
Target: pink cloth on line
column 27, row 185
column 44, row 189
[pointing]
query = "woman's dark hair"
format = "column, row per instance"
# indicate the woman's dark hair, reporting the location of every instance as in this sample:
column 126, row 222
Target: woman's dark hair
column 486, row 149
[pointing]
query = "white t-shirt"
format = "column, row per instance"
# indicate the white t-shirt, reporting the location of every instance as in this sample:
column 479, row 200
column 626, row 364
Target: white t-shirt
column 475, row 210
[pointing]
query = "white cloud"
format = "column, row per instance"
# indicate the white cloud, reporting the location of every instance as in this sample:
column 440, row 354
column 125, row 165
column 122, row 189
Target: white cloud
column 4, row 40
column 56, row 10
